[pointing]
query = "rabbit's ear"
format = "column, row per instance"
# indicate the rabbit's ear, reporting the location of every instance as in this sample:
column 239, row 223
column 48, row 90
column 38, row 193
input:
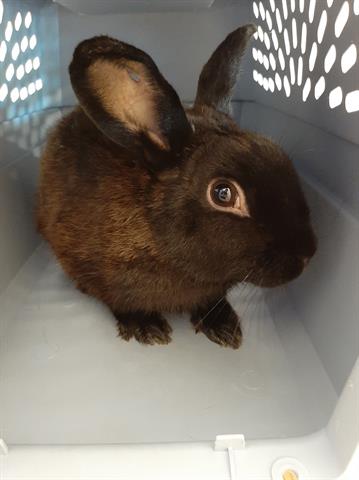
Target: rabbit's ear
column 219, row 75
column 123, row 92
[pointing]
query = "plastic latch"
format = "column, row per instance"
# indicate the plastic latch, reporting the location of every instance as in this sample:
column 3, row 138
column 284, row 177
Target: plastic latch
column 3, row 447
column 231, row 443
column 224, row 442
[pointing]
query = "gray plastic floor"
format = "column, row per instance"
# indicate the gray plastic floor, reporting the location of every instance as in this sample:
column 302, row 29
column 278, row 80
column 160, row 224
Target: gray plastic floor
column 67, row 378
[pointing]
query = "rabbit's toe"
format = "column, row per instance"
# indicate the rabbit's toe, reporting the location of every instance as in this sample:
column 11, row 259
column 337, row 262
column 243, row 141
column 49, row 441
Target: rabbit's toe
column 148, row 329
column 151, row 334
column 225, row 335
column 219, row 322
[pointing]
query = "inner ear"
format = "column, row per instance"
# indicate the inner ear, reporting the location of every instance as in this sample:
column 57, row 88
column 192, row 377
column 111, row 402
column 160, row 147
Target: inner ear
column 126, row 92
column 122, row 91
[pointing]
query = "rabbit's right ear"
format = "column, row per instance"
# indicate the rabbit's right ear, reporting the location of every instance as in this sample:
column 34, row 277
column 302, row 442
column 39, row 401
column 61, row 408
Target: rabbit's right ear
column 219, row 75
column 123, row 92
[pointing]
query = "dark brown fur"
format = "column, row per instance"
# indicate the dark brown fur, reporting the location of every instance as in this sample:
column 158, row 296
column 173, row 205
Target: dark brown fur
column 122, row 199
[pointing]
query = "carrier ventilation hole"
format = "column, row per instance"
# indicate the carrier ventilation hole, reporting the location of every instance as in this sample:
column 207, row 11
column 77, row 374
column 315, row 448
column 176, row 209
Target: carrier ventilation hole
column 272, row 61
column 286, row 84
column 18, row 68
column 260, row 57
column 275, row 40
column 23, row 93
column 15, row 94
column 3, row 50
column 285, row 33
column 311, row 10
column 279, row 20
column 319, row 88
column 292, row 70
column 285, row 9
column 294, row 33
column 8, row 31
column 313, row 57
column 3, row 92
column 304, row 38
column 341, row 19
column 260, row 79
column 36, row 63
column 260, row 33
column 349, row 58
column 262, row 11
column 271, row 84
column 20, row 72
column 31, row 88
column 33, row 42
column 281, row 59
column 265, row 62
column 10, row 71
column 24, row 43
column 300, row 71
column 306, row 89
column 18, row 21
column 330, row 58
column 286, row 42
column 15, row 52
column 266, row 40
column 322, row 26
column 352, row 101
column 28, row 66
column 335, row 97
column 28, row 20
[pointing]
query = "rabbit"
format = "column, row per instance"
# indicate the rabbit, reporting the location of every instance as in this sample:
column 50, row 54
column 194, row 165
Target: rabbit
column 154, row 208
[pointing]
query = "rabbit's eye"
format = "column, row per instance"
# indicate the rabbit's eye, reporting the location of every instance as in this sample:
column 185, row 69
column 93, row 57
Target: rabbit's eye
column 227, row 196
column 224, row 194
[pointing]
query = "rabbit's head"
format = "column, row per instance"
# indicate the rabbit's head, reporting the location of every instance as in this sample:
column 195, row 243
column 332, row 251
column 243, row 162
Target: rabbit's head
column 224, row 204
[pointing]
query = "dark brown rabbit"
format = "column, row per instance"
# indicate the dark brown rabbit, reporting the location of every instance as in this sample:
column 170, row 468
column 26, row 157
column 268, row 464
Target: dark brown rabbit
column 152, row 208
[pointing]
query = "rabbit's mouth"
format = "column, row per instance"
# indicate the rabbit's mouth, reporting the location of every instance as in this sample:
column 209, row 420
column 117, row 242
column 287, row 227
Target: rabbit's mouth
column 279, row 271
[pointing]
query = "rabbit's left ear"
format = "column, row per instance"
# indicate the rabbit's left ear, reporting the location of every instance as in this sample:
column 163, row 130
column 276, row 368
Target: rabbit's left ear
column 121, row 89
column 219, row 75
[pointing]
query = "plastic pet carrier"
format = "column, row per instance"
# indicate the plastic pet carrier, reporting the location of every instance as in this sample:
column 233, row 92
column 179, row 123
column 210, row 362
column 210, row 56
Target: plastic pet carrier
column 77, row 402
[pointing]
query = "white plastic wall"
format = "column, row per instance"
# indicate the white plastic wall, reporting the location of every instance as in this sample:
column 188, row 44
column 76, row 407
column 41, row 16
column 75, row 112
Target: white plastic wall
column 179, row 42
column 24, row 121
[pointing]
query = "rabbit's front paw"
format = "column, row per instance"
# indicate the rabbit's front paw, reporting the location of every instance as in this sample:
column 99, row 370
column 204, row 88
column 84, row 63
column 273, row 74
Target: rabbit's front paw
column 148, row 329
column 156, row 332
column 220, row 323
column 227, row 334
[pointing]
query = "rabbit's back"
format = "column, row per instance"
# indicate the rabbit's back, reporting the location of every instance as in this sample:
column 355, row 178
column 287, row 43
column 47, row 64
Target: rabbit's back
column 92, row 211
column 89, row 204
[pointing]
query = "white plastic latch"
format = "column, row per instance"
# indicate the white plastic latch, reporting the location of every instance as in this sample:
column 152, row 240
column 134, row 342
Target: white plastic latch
column 224, row 442
column 3, row 447
column 231, row 443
